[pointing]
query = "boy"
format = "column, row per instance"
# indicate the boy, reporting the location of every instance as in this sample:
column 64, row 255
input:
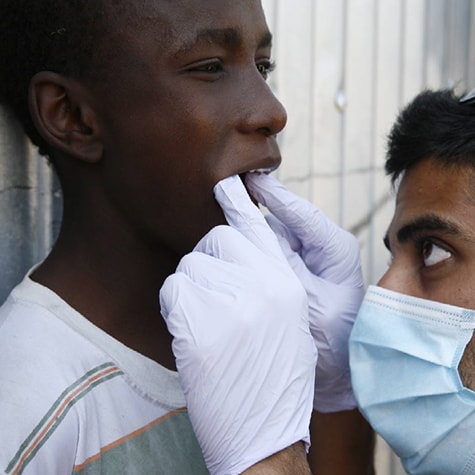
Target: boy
column 142, row 108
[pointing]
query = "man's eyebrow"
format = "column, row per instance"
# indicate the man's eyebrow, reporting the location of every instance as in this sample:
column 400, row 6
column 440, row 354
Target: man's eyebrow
column 429, row 222
column 229, row 37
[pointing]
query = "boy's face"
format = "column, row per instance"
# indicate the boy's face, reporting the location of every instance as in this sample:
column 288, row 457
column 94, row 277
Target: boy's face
column 432, row 242
column 185, row 104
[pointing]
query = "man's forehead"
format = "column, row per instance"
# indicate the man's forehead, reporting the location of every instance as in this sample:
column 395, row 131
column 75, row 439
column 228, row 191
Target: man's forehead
column 432, row 197
column 436, row 182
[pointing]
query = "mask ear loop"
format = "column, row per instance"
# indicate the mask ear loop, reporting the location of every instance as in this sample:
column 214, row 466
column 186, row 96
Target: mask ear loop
column 468, row 98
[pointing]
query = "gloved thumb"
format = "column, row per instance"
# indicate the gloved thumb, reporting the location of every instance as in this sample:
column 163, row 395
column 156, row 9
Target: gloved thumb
column 328, row 250
column 244, row 216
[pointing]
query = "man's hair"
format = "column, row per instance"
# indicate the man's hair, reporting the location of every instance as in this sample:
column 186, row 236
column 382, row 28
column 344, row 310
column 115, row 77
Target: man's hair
column 433, row 125
column 45, row 35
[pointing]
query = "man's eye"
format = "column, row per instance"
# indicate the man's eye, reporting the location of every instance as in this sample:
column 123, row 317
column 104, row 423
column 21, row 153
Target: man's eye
column 432, row 254
column 265, row 68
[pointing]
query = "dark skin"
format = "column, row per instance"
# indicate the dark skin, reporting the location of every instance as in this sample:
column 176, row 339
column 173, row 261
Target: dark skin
column 115, row 169
column 432, row 241
column 342, row 444
column 138, row 153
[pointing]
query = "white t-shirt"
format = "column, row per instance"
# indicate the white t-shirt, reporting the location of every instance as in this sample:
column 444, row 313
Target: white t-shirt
column 73, row 400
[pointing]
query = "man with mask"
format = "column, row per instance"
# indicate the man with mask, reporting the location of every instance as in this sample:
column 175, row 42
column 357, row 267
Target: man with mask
column 412, row 350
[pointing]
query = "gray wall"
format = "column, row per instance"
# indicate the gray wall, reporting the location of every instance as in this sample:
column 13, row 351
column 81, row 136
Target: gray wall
column 28, row 202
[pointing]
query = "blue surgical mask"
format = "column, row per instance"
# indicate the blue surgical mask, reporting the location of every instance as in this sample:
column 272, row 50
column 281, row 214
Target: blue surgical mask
column 404, row 355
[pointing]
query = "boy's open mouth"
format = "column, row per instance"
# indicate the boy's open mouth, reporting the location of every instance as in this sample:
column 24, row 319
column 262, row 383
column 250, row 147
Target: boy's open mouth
column 242, row 177
column 257, row 170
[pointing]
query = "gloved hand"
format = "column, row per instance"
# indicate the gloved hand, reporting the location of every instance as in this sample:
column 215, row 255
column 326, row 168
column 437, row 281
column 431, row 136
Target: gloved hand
column 243, row 349
column 327, row 261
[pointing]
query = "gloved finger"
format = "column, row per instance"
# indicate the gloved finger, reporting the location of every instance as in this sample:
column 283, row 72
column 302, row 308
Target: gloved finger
column 282, row 231
column 289, row 208
column 203, row 268
column 179, row 297
column 312, row 283
column 327, row 249
column 171, row 292
column 330, row 326
column 198, row 271
column 223, row 259
column 242, row 214
column 226, row 244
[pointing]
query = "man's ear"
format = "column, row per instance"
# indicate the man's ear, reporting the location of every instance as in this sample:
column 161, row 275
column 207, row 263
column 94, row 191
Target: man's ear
column 63, row 113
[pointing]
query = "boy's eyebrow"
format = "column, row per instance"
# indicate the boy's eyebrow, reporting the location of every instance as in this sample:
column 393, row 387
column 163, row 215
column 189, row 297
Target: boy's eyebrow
column 429, row 222
column 229, row 37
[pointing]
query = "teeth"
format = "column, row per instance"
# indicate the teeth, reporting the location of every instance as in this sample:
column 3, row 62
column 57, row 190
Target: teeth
column 262, row 170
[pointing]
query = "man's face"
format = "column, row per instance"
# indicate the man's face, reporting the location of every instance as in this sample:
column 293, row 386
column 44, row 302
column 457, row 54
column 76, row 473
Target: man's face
column 432, row 242
column 185, row 104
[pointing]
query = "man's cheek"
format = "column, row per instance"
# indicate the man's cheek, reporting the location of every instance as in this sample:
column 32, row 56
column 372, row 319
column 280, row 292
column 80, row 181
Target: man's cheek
column 467, row 365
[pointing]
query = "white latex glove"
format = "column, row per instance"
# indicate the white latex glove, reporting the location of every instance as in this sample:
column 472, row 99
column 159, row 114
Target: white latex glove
column 326, row 259
column 244, row 353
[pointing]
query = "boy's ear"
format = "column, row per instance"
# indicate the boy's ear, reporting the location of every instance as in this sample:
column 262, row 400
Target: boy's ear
column 62, row 111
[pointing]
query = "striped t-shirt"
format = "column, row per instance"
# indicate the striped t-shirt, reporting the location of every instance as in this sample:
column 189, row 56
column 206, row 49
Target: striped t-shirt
column 73, row 400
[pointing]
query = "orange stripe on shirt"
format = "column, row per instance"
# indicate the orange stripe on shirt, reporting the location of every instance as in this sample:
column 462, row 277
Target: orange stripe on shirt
column 58, row 412
column 130, row 436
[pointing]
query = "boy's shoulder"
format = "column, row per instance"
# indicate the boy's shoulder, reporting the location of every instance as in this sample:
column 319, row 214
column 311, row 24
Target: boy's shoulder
column 43, row 359
column 43, row 340
column 33, row 340
column 65, row 386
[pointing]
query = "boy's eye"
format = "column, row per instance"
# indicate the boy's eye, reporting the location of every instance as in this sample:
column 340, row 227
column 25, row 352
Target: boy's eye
column 211, row 67
column 432, row 254
column 265, row 68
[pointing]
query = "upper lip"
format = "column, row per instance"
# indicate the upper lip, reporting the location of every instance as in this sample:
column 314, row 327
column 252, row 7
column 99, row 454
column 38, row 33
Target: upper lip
column 268, row 159
column 266, row 164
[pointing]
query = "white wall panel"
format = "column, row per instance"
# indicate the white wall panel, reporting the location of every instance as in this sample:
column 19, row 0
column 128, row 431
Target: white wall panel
column 294, row 80
column 328, row 104
column 412, row 72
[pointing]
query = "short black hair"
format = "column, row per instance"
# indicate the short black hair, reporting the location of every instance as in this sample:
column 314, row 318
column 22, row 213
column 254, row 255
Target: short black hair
column 433, row 125
column 45, row 35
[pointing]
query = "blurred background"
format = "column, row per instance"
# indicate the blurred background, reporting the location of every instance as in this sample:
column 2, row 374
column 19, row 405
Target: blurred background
column 344, row 69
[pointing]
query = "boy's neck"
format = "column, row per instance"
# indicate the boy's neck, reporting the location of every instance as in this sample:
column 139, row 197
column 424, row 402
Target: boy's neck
column 116, row 288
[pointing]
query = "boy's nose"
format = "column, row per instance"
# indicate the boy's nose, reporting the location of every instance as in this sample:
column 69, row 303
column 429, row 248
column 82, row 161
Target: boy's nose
column 262, row 111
